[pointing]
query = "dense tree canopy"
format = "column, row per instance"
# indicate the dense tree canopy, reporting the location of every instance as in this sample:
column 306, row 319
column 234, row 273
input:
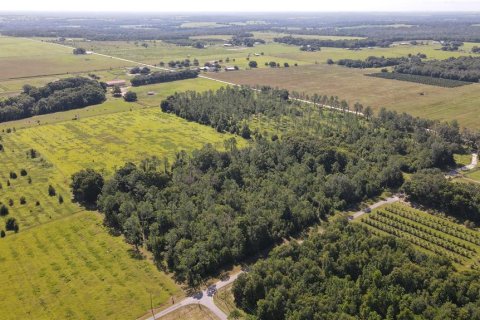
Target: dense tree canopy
column 431, row 189
column 372, row 62
column 86, row 186
column 347, row 273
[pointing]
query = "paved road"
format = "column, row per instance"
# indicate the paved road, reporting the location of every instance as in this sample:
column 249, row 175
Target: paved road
column 392, row 199
column 200, row 298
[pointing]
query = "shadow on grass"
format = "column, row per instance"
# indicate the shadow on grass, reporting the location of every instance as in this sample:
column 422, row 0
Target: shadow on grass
column 135, row 254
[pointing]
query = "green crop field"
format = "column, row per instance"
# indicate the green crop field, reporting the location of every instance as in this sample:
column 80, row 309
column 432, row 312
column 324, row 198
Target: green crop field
column 73, row 269
column 431, row 233
column 21, row 57
column 421, row 100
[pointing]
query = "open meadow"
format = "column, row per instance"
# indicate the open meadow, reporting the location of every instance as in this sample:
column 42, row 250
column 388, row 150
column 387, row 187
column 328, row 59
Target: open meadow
column 22, row 58
column 108, row 141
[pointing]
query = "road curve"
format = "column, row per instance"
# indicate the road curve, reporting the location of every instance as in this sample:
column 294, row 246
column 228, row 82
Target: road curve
column 203, row 299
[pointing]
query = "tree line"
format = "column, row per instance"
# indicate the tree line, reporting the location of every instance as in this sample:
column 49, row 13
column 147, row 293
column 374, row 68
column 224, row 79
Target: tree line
column 372, row 62
column 61, row 95
column 461, row 68
column 316, row 44
column 378, row 62
column 160, row 77
column 345, row 272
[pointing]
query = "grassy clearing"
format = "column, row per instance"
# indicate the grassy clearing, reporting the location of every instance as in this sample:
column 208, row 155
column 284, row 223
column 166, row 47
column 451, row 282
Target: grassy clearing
column 112, row 105
column 462, row 159
column 351, row 84
column 474, row 175
column 225, row 301
column 163, row 90
column 21, row 57
column 431, row 233
column 73, row 269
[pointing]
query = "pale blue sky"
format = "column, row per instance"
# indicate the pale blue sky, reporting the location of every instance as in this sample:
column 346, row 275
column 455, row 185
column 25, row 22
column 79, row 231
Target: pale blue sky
column 240, row 6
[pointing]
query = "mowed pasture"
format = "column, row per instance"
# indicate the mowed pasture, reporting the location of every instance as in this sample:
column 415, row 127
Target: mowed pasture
column 21, row 58
column 433, row 234
column 421, row 100
column 73, row 269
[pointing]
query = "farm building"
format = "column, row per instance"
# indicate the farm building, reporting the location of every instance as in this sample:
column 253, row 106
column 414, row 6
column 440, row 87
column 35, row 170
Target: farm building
column 120, row 83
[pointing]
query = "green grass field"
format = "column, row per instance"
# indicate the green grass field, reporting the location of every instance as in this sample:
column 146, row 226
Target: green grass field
column 108, row 141
column 430, row 233
column 73, row 269
column 21, row 57
column 421, row 100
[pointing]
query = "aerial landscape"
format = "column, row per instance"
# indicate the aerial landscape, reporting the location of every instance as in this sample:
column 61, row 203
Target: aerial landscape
column 256, row 161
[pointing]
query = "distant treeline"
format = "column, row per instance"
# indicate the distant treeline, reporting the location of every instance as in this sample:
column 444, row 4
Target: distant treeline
column 61, row 95
column 372, row 62
column 316, row 44
column 245, row 40
column 433, row 28
column 159, row 77
column 461, row 68
column 446, row 83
